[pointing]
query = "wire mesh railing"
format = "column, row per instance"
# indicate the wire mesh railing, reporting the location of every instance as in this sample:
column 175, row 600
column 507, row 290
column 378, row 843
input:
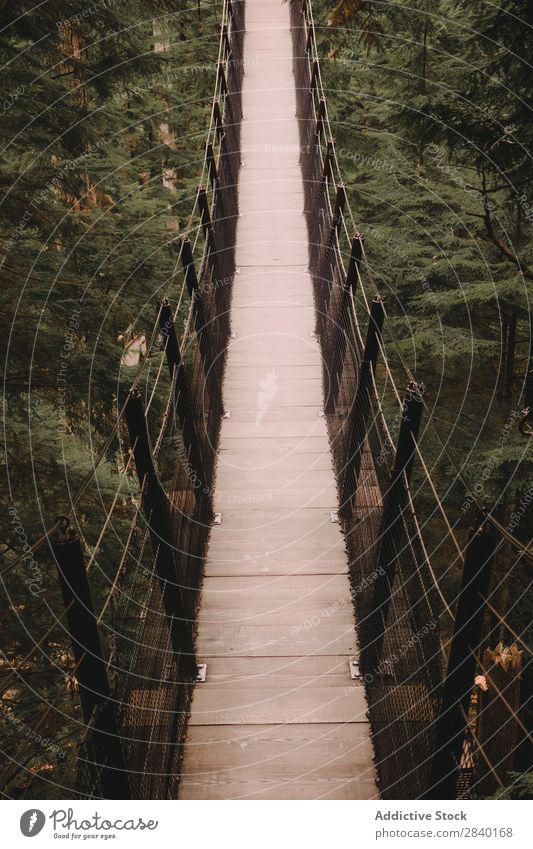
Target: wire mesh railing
column 154, row 618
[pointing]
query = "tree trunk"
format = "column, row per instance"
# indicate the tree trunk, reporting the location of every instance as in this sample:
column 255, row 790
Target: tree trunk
column 503, row 362
column 528, row 388
column 510, row 363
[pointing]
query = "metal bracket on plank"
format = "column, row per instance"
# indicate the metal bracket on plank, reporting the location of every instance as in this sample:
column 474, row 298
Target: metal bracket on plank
column 355, row 671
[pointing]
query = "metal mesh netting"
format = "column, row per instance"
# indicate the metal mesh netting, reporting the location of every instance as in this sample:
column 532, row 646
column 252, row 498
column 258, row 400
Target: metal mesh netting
column 392, row 589
column 150, row 622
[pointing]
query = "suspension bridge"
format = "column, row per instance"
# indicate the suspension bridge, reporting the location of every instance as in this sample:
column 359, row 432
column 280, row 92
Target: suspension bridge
column 278, row 714
column 274, row 628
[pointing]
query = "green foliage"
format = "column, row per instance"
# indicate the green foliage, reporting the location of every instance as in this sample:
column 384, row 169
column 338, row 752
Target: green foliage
column 101, row 145
column 434, row 136
column 520, row 788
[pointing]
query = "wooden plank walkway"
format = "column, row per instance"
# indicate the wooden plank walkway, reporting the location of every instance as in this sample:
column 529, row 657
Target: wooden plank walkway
column 279, row 716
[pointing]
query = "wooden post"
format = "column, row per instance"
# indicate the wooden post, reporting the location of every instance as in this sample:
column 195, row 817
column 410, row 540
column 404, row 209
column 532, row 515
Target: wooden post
column 391, row 532
column 457, row 689
column 98, row 710
column 361, row 408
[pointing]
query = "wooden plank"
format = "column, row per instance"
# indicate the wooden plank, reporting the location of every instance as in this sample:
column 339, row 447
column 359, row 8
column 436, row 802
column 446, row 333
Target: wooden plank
column 289, row 673
column 257, row 461
column 290, row 640
column 319, row 590
column 293, row 562
column 336, row 750
column 278, row 478
column 274, row 600
column 266, row 706
column 218, row 785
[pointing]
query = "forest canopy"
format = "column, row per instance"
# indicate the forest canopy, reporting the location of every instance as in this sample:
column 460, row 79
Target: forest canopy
column 103, row 121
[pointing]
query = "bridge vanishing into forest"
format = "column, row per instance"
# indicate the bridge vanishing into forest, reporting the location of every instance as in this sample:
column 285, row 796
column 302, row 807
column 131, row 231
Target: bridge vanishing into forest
column 274, row 627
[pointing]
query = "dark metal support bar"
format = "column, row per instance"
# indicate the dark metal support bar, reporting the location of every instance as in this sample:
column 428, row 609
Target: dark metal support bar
column 314, row 77
column 354, row 265
column 375, row 328
column 211, row 165
column 158, row 512
column 361, row 407
column 187, row 259
column 203, row 330
column 168, row 330
column 391, row 532
column 340, row 203
column 182, row 395
column 409, row 428
column 227, row 42
column 330, row 153
column 203, row 204
column 452, row 721
column 90, row 666
column 321, row 115
column 219, row 284
column 219, row 124
column 222, row 79
column 309, row 37
column 325, row 273
column 91, row 672
column 139, row 438
column 343, row 327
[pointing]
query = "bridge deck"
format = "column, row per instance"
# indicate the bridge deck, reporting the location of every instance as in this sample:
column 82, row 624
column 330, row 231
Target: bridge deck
column 279, row 716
